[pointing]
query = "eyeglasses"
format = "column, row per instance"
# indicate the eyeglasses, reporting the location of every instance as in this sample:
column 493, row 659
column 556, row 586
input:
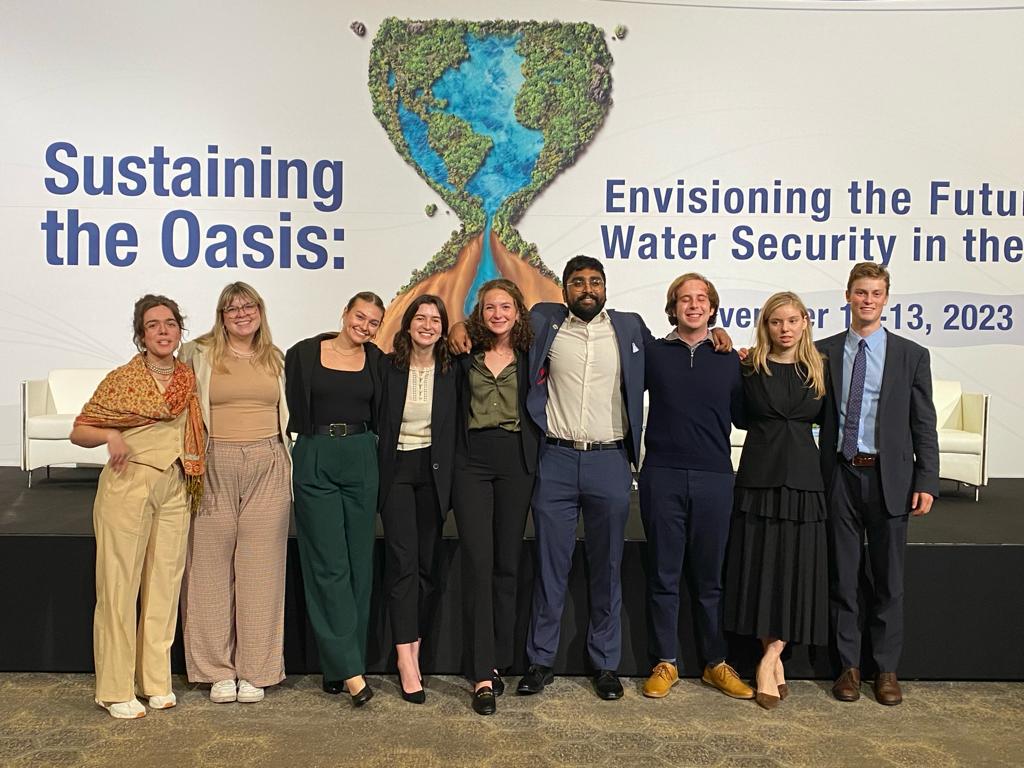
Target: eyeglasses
column 247, row 309
column 583, row 282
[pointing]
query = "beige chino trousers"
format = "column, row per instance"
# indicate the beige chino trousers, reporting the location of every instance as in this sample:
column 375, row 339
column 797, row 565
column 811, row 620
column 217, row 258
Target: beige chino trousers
column 141, row 521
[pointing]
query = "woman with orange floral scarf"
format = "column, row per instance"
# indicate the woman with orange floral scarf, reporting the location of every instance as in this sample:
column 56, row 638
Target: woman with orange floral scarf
column 147, row 414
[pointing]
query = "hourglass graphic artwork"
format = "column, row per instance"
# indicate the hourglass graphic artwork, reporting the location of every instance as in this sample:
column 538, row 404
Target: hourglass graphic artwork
column 488, row 113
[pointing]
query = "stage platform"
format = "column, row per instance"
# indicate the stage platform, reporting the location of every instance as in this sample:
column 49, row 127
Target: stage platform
column 964, row 593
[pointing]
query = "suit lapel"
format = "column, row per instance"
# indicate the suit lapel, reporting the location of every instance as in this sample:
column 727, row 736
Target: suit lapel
column 835, row 367
column 623, row 339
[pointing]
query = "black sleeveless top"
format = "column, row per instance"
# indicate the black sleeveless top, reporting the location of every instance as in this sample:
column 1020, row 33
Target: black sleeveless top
column 340, row 397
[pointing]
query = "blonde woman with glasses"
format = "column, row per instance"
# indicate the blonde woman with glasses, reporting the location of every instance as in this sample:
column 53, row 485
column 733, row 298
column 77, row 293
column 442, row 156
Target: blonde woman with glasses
column 232, row 602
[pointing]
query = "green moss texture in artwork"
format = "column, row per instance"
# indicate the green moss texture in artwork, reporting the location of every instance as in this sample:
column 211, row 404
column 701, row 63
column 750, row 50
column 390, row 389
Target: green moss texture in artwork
column 566, row 95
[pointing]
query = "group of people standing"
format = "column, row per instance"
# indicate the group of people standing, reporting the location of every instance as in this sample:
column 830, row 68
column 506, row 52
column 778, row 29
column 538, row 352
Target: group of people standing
column 514, row 409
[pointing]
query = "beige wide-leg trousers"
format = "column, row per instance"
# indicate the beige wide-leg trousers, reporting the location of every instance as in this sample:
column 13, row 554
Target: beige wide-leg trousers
column 232, row 604
column 141, row 522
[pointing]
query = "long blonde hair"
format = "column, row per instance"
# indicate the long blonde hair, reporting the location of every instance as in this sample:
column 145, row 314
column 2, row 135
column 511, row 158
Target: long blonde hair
column 215, row 340
column 808, row 359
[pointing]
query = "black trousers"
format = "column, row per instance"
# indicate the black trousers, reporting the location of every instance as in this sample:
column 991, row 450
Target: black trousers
column 856, row 508
column 412, row 535
column 491, row 498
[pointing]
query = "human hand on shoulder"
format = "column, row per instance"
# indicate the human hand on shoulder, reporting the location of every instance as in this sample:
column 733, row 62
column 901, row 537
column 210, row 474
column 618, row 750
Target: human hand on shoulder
column 721, row 340
column 458, row 339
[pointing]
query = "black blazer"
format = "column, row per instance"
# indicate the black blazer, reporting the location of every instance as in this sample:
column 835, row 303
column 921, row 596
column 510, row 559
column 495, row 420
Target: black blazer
column 529, row 433
column 908, row 445
column 298, row 375
column 443, row 419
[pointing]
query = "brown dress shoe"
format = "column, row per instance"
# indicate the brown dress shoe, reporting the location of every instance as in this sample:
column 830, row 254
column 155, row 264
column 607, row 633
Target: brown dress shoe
column 887, row 689
column 847, row 687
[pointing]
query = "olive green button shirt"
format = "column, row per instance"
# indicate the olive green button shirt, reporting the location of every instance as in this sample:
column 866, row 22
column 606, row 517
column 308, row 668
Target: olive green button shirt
column 494, row 400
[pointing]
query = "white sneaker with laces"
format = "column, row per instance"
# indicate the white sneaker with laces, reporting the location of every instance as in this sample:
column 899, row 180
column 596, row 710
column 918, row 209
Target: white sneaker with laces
column 124, row 710
column 163, row 702
column 249, row 693
column 223, row 691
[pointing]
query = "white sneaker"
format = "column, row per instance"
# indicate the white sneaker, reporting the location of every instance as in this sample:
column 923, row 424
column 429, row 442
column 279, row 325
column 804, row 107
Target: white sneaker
column 124, row 710
column 163, row 702
column 223, row 691
column 249, row 693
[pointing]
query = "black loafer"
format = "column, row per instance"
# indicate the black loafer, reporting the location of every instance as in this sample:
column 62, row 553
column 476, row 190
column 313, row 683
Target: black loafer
column 333, row 687
column 483, row 702
column 364, row 695
column 536, row 677
column 497, row 684
column 607, row 685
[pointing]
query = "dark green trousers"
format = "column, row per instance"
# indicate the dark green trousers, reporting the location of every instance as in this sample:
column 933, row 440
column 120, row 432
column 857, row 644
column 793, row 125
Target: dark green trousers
column 335, row 481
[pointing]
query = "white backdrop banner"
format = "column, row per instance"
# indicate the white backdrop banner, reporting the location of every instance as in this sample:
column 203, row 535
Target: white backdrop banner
column 315, row 149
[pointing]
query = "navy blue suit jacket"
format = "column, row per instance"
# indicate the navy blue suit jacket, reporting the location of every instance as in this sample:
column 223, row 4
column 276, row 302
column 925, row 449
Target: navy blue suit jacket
column 908, row 445
column 632, row 336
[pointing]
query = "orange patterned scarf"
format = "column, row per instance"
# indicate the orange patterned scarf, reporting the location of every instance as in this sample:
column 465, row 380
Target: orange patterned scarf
column 128, row 397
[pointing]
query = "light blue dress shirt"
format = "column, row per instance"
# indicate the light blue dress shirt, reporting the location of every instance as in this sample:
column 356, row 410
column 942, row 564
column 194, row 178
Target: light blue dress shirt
column 866, row 435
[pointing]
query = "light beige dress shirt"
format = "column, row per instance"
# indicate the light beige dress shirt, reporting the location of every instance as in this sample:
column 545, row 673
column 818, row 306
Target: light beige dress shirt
column 585, row 382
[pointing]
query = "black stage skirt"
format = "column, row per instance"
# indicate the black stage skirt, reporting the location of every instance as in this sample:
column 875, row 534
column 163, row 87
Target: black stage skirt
column 776, row 574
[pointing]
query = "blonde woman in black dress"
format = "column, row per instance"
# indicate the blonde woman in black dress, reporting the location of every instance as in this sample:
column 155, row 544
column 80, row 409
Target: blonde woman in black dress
column 777, row 561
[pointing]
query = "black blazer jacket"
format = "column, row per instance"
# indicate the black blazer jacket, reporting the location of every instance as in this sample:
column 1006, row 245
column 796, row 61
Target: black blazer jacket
column 908, row 445
column 298, row 375
column 529, row 433
column 443, row 419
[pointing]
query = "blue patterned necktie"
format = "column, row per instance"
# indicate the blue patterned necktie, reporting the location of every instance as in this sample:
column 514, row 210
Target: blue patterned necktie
column 851, row 427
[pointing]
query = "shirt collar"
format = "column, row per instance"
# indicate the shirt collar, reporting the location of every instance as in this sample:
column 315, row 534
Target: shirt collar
column 601, row 316
column 873, row 339
column 673, row 335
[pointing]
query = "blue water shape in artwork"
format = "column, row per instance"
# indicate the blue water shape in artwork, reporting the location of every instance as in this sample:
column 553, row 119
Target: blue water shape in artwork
column 482, row 91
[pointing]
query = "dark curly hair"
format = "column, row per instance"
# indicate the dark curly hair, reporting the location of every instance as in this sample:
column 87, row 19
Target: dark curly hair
column 402, row 343
column 521, row 336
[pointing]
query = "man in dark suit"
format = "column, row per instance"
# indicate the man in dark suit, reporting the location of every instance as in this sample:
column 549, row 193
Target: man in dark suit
column 880, row 462
column 587, row 397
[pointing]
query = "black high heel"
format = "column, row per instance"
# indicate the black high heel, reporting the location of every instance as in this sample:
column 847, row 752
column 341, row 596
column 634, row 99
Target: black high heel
column 416, row 697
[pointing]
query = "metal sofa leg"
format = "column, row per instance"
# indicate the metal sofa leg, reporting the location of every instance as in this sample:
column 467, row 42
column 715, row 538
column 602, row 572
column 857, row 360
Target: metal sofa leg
column 30, row 478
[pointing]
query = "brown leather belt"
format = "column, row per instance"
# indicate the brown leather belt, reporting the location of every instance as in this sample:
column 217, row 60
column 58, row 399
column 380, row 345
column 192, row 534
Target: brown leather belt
column 861, row 460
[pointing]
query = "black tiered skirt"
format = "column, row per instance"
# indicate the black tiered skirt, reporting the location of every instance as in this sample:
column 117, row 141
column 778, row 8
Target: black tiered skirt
column 776, row 574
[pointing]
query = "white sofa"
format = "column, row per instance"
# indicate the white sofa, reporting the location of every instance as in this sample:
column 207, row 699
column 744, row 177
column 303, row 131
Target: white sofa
column 962, row 421
column 48, row 410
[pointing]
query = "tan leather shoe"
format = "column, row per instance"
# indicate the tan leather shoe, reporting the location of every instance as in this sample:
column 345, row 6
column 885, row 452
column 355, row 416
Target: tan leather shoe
column 662, row 678
column 724, row 678
column 847, row 687
column 887, row 689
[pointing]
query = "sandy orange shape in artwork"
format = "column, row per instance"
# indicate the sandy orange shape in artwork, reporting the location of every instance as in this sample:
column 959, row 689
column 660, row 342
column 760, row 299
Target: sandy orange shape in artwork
column 453, row 284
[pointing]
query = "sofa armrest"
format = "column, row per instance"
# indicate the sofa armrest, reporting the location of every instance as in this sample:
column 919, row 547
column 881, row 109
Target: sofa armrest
column 34, row 397
column 974, row 412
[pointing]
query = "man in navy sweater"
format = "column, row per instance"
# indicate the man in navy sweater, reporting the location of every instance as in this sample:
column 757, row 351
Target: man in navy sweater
column 686, row 483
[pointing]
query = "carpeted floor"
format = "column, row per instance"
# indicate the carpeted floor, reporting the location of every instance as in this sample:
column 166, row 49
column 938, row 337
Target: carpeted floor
column 50, row 720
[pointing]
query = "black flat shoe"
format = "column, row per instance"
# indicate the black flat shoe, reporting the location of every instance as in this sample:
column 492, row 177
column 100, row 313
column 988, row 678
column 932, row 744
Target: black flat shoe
column 333, row 687
column 416, row 697
column 364, row 695
column 483, row 702
column 497, row 684
column 536, row 677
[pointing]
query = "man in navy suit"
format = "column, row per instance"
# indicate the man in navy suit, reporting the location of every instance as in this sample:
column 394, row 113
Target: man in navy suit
column 587, row 396
column 880, row 462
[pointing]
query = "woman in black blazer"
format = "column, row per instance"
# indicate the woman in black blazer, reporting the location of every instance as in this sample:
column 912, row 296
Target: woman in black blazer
column 416, row 453
column 776, row 573
column 333, row 386
column 495, row 466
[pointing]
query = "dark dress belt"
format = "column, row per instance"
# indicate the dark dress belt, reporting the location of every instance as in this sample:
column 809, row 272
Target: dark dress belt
column 861, row 459
column 586, row 445
column 340, row 430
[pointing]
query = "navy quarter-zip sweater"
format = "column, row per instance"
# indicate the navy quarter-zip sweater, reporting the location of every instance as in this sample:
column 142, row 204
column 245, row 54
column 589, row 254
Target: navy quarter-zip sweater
column 695, row 397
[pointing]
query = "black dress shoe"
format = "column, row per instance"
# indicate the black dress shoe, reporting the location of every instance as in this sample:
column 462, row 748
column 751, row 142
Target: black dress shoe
column 536, row 677
column 607, row 685
column 483, row 701
column 416, row 697
column 333, row 687
column 364, row 695
column 497, row 684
